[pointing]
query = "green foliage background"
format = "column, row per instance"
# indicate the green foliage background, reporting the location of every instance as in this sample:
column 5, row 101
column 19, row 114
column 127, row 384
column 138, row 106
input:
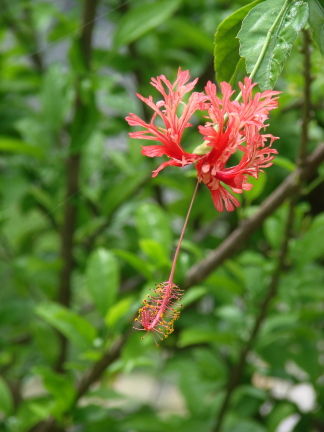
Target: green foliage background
column 66, row 309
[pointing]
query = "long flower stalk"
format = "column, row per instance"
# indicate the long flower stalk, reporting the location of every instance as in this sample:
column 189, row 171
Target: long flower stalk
column 232, row 127
column 161, row 308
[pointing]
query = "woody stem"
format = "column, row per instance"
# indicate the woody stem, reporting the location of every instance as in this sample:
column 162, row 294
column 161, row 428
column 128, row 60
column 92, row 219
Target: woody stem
column 176, row 253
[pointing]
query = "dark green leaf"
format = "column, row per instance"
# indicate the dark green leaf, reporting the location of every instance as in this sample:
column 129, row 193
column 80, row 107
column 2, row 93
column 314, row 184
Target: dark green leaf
column 143, row 18
column 316, row 21
column 102, row 279
column 267, row 36
column 226, row 44
column 73, row 326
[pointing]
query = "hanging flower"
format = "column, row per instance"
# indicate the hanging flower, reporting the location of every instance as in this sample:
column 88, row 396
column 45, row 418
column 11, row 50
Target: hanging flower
column 233, row 129
column 174, row 113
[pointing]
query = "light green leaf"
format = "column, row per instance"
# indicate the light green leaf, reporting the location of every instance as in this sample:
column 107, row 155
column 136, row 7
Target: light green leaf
column 54, row 99
column 118, row 311
column 316, row 21
column 102, row 279
column 285, row 163
column 226, row 44
column 136, row 262
column 190, row 34
column 155, row 251
column 12, row 145
column 267, row 36
column 241, row 425
column 152, row 222
column 73, row 326
column 192, row 336
column 192, row 295
column 310, row 246
column 143, row 18
column 6, row 403
column 61, row 387
column 258, row 186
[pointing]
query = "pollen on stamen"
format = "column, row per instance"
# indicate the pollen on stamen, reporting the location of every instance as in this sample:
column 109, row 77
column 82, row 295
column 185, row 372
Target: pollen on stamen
column 160, row 310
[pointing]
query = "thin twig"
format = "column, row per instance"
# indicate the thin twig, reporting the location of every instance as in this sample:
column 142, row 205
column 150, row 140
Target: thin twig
column 72, row 186
column 238, row 369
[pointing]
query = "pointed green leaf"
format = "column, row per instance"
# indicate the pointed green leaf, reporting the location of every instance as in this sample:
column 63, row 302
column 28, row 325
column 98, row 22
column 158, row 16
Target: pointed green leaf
column 267, row 36
column 102, row 279
column 316, row 21
column 226, row 44
column 6, row 403
column 13, row 145
column 152, row 222
column 143, row 18
column 73, row 326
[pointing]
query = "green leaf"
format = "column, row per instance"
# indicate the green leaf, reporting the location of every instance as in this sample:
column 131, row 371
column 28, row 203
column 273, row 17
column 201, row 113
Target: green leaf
column 118, row 311
column 143, row 18
column 151, row 221
column 139, row 264
column 126, row 189
column 310, row 246
column 102, row 279
column 192, row 295
column 241, row 425
column 190, row 34
column 55, row 103
column 285, row 163
column 61, row 387
column 258, row 187
column 155, row 251
column 279, row 413
column 12, row 145
column 267, row 36
column 192, row 336
column 73, row 326
column 226, row 44
column 316, row 21
column 6, row 402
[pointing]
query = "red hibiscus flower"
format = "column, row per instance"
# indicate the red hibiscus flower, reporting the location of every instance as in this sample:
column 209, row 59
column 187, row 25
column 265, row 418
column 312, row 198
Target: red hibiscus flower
column 174, row 114
column 233, row 129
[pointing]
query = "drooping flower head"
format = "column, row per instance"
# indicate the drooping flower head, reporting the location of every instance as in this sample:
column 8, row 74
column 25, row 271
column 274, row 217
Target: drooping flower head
column 233, row 128
column 232, row 149
column 174, row 113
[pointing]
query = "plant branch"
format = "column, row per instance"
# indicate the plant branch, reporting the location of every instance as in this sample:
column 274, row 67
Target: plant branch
column 238, row 369
column 306, row 107
column 100, row 366
column 72, row 183
column 240, row 235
